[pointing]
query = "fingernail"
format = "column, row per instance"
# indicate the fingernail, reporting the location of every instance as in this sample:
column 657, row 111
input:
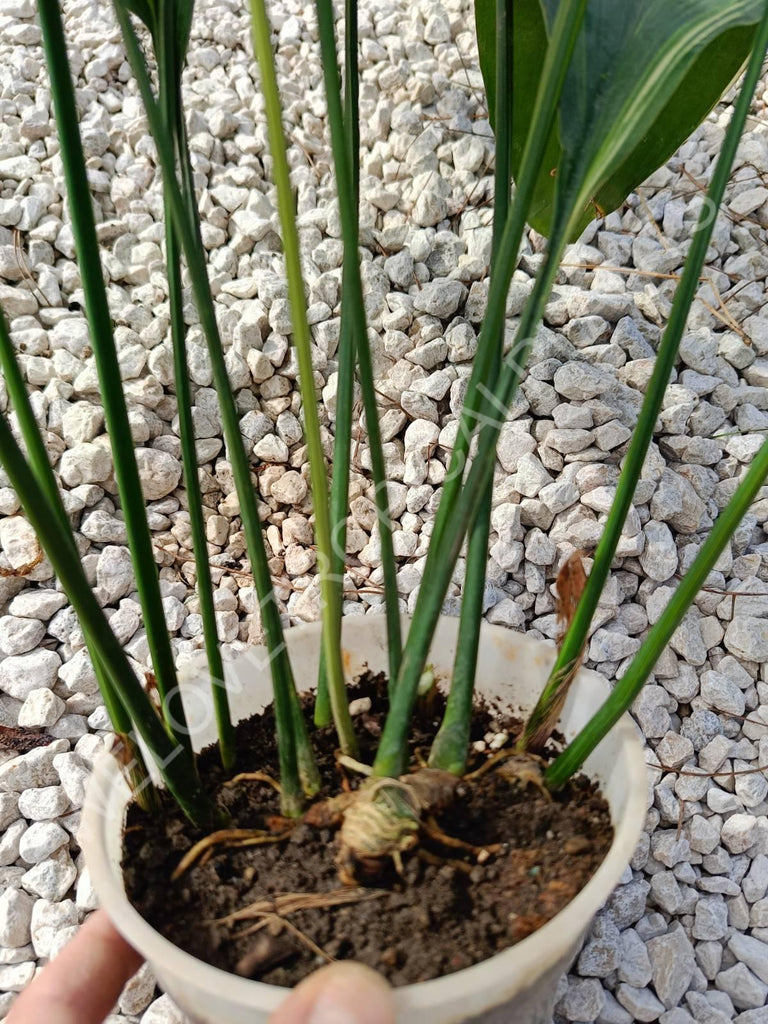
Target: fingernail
column 352, row 995
column 327, row 1010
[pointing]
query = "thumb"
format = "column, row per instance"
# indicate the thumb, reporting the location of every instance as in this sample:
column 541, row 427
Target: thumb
column 344, row 993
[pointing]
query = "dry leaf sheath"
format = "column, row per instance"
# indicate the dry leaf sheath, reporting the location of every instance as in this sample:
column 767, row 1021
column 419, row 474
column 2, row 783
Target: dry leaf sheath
column 571, row 581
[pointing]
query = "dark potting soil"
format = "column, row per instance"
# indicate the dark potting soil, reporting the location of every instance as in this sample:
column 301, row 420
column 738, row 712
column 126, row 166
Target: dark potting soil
column 445, row 912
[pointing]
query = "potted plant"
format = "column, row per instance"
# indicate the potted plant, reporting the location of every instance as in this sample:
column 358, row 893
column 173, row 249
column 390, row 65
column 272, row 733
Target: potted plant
column 586, row 99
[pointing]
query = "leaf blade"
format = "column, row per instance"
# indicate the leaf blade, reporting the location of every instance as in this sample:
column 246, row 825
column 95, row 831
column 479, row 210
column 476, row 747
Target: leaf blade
column 645, row 74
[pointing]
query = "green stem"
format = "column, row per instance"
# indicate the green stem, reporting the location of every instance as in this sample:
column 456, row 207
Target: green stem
column 390, row 759
column 352, row 95
column 108, row 367
column 349, row 229
column 556, row 62
column 459, row 505
column 342, row 454
column 43, row 474
column 303, row 342
column 309, row 773
column 570, row 652
column 633, row 680
column 188, row 228
column 449, row 749
column 171, row 102
column 194, row 504
column 173, row 758
column 345, row 359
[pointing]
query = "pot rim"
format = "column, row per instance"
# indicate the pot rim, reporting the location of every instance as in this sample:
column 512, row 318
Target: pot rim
column 529, row 955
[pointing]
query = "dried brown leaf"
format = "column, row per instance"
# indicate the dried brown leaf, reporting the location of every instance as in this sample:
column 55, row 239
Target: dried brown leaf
column 150, row 682
column 122, row 750
column 571, row 581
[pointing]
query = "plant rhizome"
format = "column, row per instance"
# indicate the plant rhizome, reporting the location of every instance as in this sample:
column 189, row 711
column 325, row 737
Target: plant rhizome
column 417, row 877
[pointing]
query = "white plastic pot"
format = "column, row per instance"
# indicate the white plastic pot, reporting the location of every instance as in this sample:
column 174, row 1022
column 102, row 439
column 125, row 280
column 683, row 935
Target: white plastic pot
column 517, row 985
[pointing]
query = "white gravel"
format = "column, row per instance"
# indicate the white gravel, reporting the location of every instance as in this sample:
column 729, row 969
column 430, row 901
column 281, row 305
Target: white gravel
column 685, row 937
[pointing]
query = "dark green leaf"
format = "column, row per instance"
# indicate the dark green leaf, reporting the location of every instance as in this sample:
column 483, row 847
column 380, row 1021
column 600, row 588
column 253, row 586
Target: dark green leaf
column 184, row 12
column 645, row 73
column 155, row 15
column 143, row 9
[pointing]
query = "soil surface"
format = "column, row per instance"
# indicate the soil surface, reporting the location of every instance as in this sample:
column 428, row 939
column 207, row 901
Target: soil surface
column 445, row 912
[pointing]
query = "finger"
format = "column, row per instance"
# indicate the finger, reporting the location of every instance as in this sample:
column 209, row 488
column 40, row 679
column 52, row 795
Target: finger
column 84, row 981
column 344, row 993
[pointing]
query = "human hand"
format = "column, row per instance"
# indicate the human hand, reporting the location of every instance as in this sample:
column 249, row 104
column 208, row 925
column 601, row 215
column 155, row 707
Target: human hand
column 343, row 993
column 83, row 984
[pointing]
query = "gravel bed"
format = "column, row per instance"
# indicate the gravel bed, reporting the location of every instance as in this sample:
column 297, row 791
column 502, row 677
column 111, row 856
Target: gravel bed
column 685, row 936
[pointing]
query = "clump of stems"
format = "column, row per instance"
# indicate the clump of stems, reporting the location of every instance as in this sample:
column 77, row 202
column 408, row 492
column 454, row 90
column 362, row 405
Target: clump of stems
column 464, row 512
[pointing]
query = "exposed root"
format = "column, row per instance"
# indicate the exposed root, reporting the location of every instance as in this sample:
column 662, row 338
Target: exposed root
column 330, row 813
column 491, row 763
column 354, row 766
column 381, row 820
column 305, row 939
column 440, row 862
column 279, row 823
column 265, row 920
column 275, row 912
column 231, row 837
column 384, row 818
column 207, row 856
column 292, row 902
column 421, row 757
column 260, row 959
column 525, row 770
column 253, row 777
column 432, row 830
column 518, row 769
